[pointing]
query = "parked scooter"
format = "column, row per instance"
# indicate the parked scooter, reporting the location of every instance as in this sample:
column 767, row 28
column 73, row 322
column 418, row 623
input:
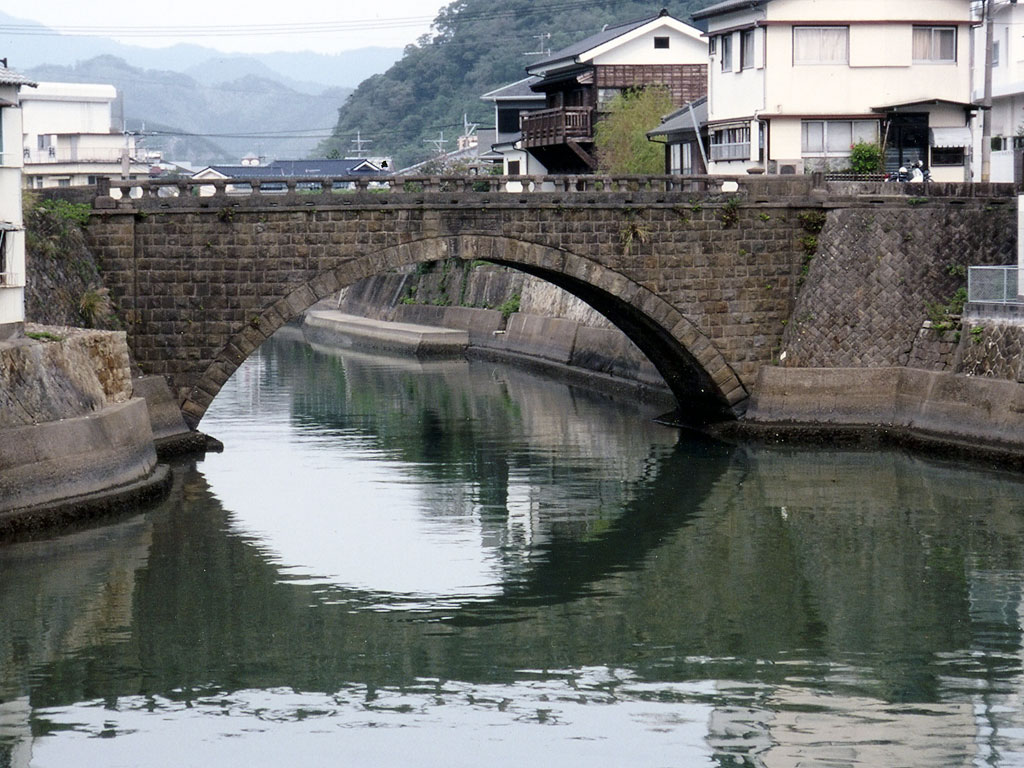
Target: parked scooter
column 918, row 172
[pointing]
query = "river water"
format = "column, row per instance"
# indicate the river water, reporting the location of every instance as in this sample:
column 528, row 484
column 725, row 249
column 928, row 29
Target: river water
column 401, row 563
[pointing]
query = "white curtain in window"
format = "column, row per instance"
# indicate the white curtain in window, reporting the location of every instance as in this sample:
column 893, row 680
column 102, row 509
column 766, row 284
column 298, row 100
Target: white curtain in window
column 813, row 136
column 820, row 45
column 675, row 160
column 922, row 43
column 865, row 131
column 840, row 137
column 934, row 44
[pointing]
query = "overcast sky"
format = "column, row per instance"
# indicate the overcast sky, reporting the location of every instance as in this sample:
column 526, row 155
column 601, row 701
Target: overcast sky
column 248, row 26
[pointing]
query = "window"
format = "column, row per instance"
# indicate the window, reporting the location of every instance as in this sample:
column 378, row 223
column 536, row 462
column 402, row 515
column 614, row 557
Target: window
column 731, row 143
column 746, row 49
column 687, row 160
column 508, row 120
column 713, row 45
column 675, row 158
column 935, row 44
column 63, row 182
column 995, row 53
column 821, row 45
column 947, row 155
column 835, row 138
column 5, row 278
column 661, row 42
column 727, row 53
column 513, row 167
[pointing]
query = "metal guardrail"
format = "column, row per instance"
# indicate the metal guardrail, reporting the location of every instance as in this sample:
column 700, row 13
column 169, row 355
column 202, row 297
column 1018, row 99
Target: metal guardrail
column 994, row 285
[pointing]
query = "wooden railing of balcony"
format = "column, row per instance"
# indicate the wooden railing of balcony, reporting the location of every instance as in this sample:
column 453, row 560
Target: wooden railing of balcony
column 549, row 127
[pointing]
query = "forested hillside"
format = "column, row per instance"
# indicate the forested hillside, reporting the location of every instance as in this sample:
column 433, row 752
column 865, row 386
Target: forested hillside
column 476, row 46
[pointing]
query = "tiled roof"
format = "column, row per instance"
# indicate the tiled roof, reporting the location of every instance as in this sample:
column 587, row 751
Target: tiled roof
column 520, row 89
column 10, row 77
column 682, row 119
column 726, row 7
column 293, row 169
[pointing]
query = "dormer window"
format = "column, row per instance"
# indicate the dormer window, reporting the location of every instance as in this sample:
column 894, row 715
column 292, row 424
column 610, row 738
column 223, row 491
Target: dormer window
column 661, row 42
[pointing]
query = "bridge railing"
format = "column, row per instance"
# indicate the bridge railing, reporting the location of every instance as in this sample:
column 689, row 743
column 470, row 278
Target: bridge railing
column 339, row 185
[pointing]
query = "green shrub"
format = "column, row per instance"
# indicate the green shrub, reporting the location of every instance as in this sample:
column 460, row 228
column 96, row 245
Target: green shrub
column 866, row 157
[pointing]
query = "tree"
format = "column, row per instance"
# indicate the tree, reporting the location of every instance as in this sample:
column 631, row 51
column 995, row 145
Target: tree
column 620, row 137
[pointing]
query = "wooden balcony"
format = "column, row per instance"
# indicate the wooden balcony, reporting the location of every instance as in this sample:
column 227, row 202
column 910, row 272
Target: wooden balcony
column 551, row 127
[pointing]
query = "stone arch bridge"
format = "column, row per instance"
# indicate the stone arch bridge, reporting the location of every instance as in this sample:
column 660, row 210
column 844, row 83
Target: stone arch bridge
column 701, row 274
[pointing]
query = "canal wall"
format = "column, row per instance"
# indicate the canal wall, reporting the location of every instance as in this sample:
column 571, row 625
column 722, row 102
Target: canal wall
column 507, row 315
column 75, row 441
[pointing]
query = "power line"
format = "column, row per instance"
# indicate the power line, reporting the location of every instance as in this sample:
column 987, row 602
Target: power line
column 278, row 29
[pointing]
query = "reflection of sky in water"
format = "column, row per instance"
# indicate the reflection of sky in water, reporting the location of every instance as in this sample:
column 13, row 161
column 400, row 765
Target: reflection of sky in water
column 613, row 722
column 357, row 522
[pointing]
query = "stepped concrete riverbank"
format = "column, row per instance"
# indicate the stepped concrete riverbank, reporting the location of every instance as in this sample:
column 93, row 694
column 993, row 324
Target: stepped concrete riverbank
column 79, row 437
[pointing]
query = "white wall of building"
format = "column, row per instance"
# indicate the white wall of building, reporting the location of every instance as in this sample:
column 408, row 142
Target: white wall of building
column 12, row 272
column 683, row 48
column 69, row 138
column 875, row 69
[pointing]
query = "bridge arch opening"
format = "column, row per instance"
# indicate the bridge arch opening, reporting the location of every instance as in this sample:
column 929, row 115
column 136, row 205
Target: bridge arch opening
column 704, row 385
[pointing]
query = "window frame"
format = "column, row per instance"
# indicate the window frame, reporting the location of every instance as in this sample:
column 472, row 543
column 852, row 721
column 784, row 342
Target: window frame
column 825, row 152
column 819, row 62
column 932, row 29
column 736, row 145
column 957, row 156
column 747, row 58
column 662, row 42
column 726, row 55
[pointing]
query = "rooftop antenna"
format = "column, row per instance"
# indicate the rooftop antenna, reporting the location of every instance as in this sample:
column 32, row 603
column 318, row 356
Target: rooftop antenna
column 359, row 141
column 543, row 51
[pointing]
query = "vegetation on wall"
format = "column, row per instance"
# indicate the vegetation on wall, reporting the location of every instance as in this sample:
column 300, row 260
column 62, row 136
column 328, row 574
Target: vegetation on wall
column 63, row 283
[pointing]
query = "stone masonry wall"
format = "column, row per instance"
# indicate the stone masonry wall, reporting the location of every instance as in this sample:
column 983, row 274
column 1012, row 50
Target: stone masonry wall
column 876, row 270
column 992, row 349
column 200, row 288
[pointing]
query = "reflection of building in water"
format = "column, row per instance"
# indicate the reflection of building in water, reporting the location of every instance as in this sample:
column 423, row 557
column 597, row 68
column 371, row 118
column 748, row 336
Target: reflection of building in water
column 51, row 613
column 997, row 613
column 791, row 726
column 16, row 733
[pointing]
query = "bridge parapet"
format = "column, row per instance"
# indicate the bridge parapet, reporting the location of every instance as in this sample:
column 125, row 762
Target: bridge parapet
column 342, row 190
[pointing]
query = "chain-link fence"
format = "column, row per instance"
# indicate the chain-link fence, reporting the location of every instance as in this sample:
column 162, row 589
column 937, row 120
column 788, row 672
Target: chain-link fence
column 994, row 285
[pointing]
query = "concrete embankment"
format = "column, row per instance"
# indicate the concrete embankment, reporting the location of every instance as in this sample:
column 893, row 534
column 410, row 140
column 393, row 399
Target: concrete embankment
column 571, row 351
column 941, row 413
column 75, row 439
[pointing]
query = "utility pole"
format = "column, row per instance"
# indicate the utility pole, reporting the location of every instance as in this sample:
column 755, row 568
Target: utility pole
column 438, row 143
column 359, row 141
column 986, row 102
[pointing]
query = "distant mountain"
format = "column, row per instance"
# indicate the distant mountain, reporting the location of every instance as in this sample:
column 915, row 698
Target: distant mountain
column 306, row 72
column 226, row 120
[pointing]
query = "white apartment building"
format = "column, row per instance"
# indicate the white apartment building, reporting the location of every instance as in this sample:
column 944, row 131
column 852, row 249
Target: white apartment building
column 793, row 84
column 1007, row 141
column 70, row 138
column 12, row 230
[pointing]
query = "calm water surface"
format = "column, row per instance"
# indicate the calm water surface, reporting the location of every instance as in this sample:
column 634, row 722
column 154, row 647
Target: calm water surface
column 397, row 563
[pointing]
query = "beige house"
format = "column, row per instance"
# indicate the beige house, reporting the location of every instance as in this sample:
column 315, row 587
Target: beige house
column 12, row 230
column 794, row 84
